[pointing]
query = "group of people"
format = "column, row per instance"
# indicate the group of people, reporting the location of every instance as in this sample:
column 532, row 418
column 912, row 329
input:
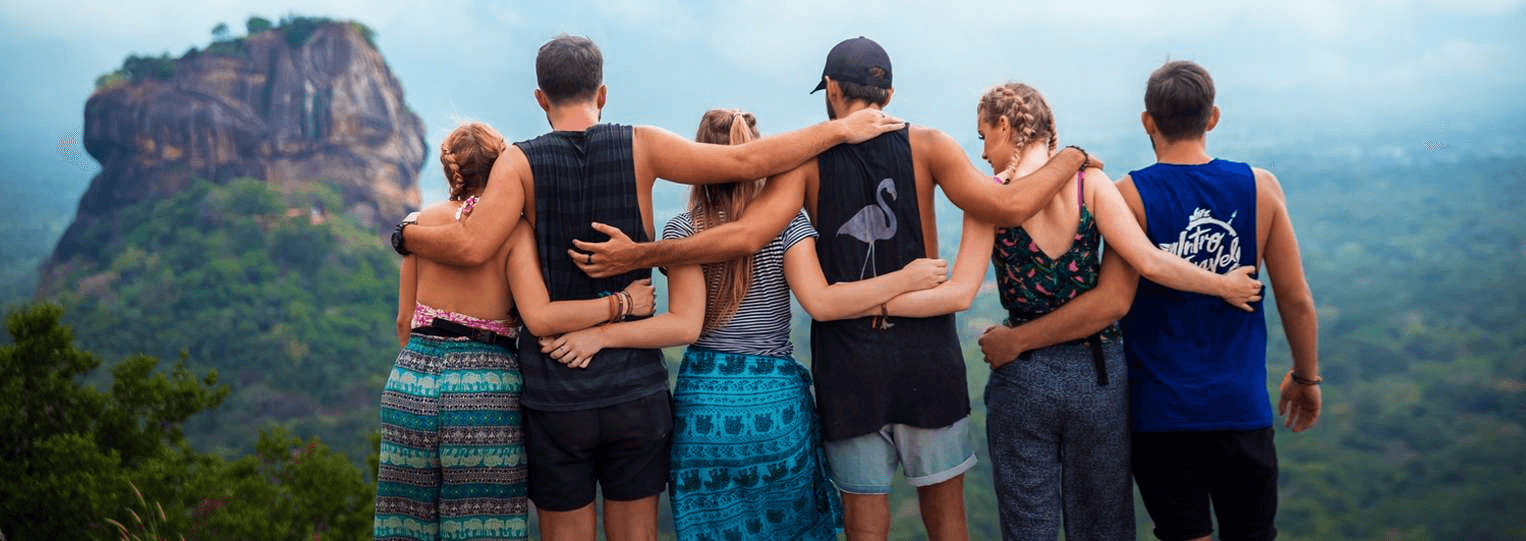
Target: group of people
column 531, row 370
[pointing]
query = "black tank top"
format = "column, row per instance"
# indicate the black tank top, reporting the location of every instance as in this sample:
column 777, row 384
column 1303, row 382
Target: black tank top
column 581, row 178
column 913, row 372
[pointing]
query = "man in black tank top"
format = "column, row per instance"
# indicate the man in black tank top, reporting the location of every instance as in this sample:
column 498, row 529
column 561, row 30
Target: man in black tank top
column 884, row 396
column 607, row 423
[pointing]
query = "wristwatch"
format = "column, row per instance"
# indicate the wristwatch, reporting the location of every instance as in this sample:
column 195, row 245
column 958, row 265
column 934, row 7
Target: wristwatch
column 397, row 235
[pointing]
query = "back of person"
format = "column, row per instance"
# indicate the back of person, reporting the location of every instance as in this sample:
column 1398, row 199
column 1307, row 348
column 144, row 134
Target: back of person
column 580, row 178
column 1196, row 362
column 867, row 211
column 481, row 291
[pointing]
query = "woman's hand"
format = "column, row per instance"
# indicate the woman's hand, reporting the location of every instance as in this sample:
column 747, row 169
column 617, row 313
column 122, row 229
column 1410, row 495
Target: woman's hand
column 1239, row 289
column 643, row 296
column 575, row 349
column 999, row 346
column 924, row 273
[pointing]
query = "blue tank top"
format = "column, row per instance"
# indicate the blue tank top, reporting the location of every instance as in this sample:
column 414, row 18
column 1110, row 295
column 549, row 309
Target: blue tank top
column 1195, row 362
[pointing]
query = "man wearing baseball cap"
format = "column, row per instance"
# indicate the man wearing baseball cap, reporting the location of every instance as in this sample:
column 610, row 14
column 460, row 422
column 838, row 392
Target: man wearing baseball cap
column 886, row 397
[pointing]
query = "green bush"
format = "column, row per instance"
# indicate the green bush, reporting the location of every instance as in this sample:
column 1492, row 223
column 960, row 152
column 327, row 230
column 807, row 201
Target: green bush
column 257, row 24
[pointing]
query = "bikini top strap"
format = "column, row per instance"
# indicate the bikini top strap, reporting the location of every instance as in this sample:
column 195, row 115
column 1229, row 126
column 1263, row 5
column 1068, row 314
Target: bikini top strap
column 1080, row 191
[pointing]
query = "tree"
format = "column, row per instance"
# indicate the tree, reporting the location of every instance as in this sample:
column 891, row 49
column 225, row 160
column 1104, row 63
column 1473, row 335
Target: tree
column 220, row 32
column 257, row 24
column 73, row 458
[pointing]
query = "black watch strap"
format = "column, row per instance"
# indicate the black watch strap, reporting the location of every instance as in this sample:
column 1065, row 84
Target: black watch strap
column 397, row 239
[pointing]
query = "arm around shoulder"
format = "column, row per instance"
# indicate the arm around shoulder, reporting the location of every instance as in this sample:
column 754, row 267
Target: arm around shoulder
column 475, row 239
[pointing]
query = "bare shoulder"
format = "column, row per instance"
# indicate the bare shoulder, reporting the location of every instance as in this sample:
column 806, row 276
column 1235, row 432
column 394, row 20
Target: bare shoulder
column 1267, row 184
column 442, row 212
column 923, row 135
column 1125, row 185
column 1095, row 180
column 643, row 134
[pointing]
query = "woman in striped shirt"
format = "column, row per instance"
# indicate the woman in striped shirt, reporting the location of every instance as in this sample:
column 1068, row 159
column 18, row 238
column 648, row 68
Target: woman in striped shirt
column 747, row 461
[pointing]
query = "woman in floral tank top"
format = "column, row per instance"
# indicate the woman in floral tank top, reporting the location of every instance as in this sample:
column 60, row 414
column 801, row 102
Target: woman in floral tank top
column 1057, row 398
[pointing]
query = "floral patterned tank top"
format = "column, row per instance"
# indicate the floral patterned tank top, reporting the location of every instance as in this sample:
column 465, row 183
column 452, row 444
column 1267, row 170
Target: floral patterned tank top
column 1032, row 284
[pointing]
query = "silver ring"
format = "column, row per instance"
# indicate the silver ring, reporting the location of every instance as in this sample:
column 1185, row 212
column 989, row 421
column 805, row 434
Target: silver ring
column 590, row 258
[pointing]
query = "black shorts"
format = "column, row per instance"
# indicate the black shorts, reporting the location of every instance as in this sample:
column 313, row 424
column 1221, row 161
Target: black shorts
column 623, row 449
column 1178, row 473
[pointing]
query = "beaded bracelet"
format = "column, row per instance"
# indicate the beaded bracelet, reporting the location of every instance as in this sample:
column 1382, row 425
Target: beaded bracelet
column 1303, row 380
column 1086, row 160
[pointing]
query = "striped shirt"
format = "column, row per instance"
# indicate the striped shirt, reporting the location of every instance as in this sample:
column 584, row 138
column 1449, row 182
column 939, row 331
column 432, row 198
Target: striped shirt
column 761, row 323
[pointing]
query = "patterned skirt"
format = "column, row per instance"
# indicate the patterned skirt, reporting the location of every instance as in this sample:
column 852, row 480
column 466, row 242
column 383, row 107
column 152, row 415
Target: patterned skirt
column 452, row 453
column 747, row 459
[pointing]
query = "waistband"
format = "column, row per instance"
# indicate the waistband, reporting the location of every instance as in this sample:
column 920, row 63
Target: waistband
column 1093, row 342
column 426, row 316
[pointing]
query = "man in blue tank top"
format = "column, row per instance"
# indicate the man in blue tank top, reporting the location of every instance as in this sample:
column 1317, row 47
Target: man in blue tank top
column 1201, row 417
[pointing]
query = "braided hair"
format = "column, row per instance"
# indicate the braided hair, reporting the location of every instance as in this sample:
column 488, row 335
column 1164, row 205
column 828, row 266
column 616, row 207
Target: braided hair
column 467, row 155
column 1027, row 114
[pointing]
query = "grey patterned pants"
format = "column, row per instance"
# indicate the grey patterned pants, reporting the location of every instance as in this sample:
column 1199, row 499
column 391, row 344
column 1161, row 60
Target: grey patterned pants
column 1060, row 441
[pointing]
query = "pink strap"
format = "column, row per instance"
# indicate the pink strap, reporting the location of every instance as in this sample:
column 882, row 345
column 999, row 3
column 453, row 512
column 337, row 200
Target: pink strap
column 424, row 314
column 1080, row 193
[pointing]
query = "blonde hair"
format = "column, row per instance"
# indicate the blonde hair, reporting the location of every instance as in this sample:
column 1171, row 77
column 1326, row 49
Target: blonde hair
column 467, row 155
column 1027, row 113
column 726, row 283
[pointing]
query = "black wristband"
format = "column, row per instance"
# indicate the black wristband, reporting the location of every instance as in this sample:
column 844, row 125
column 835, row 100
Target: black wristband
column 397, row 239
column 1303, row 380
column 1086, row 159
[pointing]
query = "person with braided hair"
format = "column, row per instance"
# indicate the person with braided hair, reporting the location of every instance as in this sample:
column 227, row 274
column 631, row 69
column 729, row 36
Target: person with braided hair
column 452, row 458
column 1057, row 424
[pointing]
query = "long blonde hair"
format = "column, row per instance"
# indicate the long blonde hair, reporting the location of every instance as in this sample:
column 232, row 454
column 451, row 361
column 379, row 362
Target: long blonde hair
column 726, row 283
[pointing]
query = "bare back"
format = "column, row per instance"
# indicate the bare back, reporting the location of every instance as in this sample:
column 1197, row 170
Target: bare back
column 481, row 291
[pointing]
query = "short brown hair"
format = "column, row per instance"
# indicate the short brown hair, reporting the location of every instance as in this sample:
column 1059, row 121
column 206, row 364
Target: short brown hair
column 569, row 68
column 870, row 94
column 1179, row 97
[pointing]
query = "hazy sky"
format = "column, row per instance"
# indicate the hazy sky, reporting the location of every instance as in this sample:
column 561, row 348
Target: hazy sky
column 1358, row 75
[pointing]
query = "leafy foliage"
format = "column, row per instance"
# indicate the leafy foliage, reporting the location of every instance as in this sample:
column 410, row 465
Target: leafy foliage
column 295, row 29
column 74, row 457
column 257, row 24
column 273, row 289
column 137, row 69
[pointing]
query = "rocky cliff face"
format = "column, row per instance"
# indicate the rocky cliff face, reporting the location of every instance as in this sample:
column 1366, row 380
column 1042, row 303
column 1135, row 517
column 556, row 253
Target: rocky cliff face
column 325, row 110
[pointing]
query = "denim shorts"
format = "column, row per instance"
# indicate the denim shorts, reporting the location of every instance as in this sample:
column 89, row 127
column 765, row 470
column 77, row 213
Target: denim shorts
column 928, row 456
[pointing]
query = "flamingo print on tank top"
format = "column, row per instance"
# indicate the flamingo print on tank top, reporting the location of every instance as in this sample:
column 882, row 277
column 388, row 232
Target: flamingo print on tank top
column 872, row 223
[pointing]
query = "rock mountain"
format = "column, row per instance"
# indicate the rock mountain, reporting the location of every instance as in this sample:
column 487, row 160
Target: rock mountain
column 318, row 106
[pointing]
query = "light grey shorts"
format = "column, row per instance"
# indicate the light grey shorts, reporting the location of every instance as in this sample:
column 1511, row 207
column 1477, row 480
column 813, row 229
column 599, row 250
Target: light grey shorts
column 928, row 456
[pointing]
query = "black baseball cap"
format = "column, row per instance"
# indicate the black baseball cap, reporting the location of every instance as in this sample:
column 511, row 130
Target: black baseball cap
column 851, row 61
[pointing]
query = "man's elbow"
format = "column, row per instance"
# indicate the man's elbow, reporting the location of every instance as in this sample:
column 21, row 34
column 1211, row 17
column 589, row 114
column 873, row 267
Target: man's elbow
column 1300, row 304
column 475, row 254
column 751, row 165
